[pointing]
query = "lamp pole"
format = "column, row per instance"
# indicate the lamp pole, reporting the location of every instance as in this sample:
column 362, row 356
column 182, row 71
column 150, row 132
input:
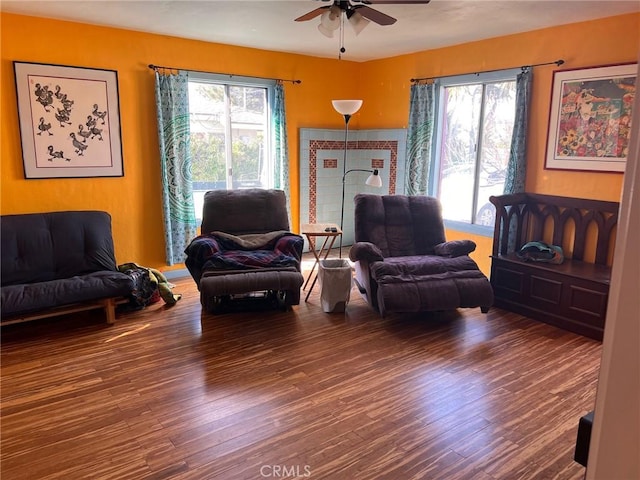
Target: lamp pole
column 344, row 174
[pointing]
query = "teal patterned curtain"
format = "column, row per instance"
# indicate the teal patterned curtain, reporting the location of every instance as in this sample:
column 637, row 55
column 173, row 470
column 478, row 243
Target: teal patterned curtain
column 281, row 150
column 419, row 138
column 172, row 101
column 517, row 168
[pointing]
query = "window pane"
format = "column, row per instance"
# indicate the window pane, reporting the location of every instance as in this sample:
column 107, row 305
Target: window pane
column 458, row 150
column 497, row 129
column 229, row 136
column 207, row 123
column 248, row 133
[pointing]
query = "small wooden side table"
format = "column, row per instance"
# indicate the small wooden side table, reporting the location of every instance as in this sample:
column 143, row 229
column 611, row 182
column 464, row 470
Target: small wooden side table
column 330, row 231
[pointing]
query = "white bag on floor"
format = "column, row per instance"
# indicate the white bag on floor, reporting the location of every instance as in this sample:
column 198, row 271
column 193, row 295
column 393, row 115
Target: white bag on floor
column 335, row 284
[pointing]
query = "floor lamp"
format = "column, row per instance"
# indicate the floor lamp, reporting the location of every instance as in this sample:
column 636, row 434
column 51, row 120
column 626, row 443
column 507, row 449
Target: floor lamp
column 347, row 108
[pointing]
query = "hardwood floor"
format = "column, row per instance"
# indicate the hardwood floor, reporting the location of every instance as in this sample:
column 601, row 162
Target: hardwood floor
column 169, row 393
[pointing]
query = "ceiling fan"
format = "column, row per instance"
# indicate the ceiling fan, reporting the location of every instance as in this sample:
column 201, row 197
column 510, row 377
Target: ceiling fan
column 353, row 9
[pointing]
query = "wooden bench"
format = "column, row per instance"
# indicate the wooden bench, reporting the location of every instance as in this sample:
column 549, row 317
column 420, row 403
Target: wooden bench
column 572, row 295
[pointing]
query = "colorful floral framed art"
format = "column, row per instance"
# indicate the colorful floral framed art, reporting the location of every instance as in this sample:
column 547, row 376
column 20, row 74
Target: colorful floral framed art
column 590, row 118
column 69, row 121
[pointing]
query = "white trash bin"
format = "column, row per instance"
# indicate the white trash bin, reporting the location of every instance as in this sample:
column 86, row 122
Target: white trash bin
column 335, row 284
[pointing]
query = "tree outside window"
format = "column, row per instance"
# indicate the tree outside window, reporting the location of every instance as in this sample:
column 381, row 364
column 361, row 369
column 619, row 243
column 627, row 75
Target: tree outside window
column 229, row 137
column 474, row 133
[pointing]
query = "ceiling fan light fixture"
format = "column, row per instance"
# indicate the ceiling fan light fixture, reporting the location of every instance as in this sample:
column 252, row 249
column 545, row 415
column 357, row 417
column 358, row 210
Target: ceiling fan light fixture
column 329, row 20
column 325, row 31
column 358, row 22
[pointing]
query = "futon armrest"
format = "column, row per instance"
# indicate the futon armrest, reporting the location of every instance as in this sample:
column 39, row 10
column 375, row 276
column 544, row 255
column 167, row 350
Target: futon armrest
column 365, row 251
column 455, row 248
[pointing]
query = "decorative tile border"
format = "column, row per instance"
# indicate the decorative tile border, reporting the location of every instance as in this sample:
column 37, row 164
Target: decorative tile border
column 321, row 158
column 315, row 145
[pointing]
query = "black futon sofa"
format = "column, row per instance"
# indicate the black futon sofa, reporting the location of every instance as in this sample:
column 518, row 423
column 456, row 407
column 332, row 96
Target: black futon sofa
column 59, row 262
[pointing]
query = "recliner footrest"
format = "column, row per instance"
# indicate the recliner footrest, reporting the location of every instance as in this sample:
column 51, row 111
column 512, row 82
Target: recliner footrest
column 246, row 282
column 213, row 287
column 443, row 291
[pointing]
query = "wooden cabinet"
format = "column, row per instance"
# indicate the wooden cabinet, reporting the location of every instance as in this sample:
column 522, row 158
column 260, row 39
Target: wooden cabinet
column 558, row 295
column 572, row 295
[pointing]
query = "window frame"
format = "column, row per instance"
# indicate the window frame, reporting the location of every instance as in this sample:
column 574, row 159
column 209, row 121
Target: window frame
column 434, row 173
column 251, row 82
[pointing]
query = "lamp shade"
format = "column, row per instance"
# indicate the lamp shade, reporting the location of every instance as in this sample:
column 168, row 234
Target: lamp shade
column 346, row 107
column 374, row 180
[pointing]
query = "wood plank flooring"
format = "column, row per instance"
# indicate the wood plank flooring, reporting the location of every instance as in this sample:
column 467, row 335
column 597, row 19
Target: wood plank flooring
column 171, row 393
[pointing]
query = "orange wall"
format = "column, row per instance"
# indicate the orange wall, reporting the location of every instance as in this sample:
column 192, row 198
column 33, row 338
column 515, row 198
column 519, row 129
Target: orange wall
column 601, row 42
column 133, row 200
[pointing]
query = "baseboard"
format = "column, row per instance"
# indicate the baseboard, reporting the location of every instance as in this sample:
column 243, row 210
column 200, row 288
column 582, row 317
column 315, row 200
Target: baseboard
column 175, row 274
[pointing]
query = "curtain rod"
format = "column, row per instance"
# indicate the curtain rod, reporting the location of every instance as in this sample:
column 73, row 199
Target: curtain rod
column 523, row 67
column 230, row 75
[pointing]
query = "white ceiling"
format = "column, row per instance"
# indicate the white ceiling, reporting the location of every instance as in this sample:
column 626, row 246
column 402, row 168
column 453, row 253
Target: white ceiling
column 269, row 24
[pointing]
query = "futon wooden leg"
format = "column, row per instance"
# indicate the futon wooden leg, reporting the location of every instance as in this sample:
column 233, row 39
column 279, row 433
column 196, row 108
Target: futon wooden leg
column 110, row 310
column 484, row 309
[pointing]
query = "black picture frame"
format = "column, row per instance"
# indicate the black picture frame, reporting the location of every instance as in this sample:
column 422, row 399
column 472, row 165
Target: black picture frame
column 69, row 121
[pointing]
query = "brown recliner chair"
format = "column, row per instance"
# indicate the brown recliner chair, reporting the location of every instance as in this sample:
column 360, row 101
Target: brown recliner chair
column 404, row 264
column 245, row 253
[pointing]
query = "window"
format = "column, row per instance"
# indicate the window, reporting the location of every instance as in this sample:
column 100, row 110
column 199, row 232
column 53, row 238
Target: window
column 230, row 134
column 473, row 139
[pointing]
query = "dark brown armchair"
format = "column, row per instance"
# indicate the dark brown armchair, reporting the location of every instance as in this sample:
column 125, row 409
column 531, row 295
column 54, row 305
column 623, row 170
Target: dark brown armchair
column 245, row 251
column 404, row 264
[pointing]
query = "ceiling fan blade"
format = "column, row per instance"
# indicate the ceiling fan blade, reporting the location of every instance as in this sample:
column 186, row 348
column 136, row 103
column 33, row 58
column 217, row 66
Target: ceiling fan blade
column 374, row 15
column 312, row 14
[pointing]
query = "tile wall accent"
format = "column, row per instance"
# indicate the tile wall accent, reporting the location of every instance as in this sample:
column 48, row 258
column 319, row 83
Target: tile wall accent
column 321, row 169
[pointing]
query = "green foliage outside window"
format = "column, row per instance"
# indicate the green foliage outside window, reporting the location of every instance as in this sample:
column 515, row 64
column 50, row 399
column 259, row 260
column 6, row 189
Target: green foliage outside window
column 217, row 107
column 208, row 158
